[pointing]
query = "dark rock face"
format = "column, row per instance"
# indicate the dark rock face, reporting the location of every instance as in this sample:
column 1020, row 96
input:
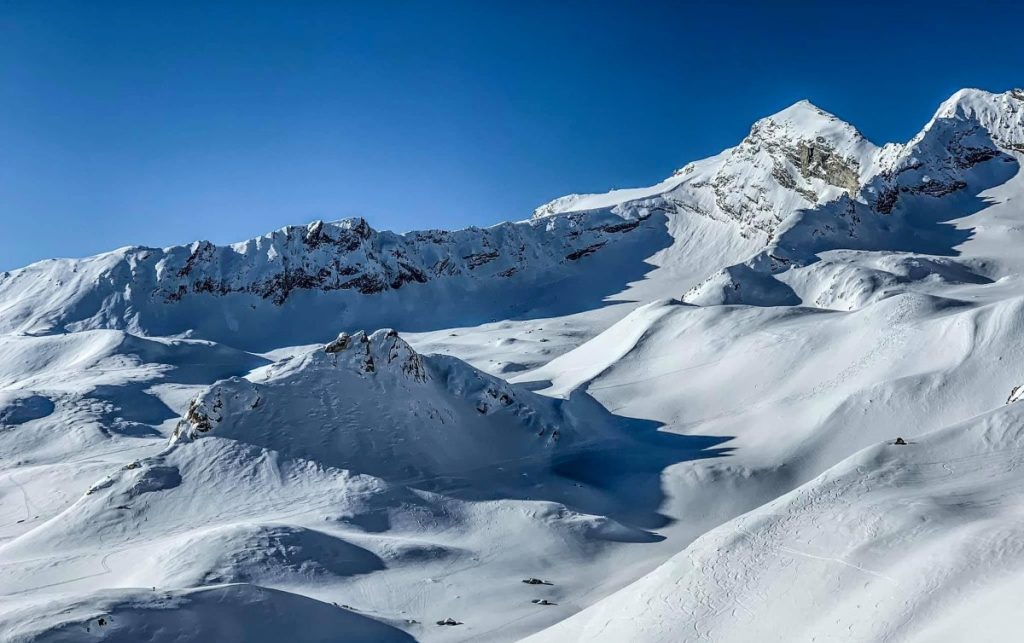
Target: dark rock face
column 201, row 251
column 583, row 252
column 384, row 347
column 476, row 260
column 886, row 199
column 338, row 345
column 818, row 160
column 625, row 226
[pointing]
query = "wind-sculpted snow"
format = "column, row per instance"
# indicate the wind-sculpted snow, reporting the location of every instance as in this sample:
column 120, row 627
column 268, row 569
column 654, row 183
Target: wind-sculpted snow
column 723, row 419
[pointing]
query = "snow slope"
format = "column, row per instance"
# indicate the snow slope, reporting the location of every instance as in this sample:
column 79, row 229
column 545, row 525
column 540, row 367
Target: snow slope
column 912, row 543
column 356, row 459
column 676, row 404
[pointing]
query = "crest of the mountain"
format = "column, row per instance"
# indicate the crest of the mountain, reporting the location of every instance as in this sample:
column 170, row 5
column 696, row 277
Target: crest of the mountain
column 910, row 193
column 350, row 255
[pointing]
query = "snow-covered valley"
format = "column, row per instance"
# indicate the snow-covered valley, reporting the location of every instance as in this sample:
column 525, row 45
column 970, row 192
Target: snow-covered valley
column 675, row 409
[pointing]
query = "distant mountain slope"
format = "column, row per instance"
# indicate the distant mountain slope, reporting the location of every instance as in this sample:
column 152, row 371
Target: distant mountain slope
column 802, row 182
column 251, row 291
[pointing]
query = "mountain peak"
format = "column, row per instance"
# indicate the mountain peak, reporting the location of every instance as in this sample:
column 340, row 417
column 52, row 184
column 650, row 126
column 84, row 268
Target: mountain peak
column 1002, row 115
column 803, row 120
column 795, row 158
column 799, row 108
column 967, row 101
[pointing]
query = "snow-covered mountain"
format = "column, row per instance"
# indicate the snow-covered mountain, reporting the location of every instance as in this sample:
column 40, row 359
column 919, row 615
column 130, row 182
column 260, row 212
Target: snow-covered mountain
column 678, row 405
column 256, row 292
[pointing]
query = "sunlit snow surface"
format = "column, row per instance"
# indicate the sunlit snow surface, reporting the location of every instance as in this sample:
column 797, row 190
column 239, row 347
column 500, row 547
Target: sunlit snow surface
column 677, row 405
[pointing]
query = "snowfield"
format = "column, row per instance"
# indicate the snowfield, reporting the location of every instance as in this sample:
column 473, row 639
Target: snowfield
column 658, row 414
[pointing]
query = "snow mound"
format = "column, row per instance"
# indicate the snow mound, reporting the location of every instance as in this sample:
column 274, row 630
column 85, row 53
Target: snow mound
column 594, row 358
column 741, row 284
column 224, row 613
column 370, row 403
column 851, row 280
column 259, row 554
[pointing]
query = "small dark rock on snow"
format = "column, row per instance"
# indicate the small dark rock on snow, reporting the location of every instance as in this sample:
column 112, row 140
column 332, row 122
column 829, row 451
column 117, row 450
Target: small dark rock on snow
column 900, row 441
column 449, row 621
column 536, row 581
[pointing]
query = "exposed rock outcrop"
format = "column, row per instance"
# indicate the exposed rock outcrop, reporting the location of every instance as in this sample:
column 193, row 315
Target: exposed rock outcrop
column 382, row 349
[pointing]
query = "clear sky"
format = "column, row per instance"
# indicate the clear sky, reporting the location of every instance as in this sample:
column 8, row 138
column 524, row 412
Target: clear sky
column 160, row 123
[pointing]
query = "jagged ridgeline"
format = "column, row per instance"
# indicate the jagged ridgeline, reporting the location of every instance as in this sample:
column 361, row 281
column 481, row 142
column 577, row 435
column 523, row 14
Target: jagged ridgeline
column 342, row 273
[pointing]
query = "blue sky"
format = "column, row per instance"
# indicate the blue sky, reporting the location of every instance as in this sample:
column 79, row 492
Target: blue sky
column 157, row 124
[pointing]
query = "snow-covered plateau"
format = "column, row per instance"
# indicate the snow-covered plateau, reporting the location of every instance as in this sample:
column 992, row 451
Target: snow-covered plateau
column 777, row 396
